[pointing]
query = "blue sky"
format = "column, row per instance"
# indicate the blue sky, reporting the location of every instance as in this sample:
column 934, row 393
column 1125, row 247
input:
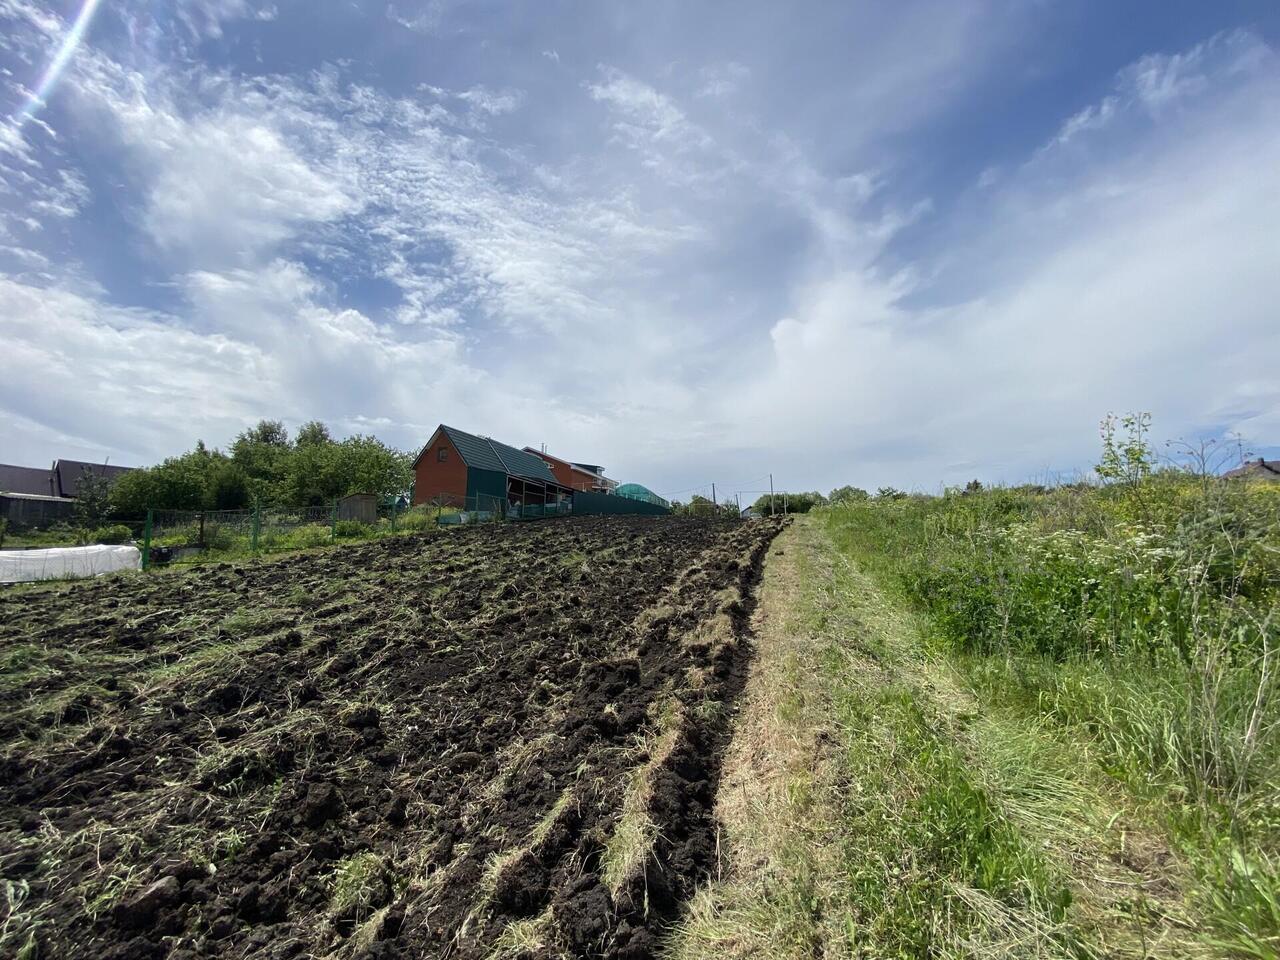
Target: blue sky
column 867, row 243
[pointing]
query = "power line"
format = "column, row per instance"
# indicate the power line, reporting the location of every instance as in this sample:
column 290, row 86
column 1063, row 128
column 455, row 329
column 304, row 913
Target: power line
column 736, row 485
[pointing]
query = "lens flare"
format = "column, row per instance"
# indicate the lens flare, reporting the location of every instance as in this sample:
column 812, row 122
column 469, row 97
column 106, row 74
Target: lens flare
column 59, row 63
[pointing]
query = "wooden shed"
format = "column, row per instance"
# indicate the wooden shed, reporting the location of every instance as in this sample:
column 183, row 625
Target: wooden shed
column 359, row 506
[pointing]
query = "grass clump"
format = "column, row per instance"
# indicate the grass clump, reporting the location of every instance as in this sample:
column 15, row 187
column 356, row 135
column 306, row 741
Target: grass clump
column 360, row 885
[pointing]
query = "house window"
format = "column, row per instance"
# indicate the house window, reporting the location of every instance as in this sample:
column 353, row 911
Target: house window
column 442, row 454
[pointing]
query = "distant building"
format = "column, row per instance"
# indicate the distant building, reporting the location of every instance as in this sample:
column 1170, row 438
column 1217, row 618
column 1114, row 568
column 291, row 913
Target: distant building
column 462, row 469
column 1259, row 469
column 30, row 481
column 576, row 476
column 32, row 496
column 70, row 473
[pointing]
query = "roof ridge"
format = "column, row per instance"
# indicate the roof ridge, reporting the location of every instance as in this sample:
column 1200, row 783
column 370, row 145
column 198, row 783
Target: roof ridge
column 505, row 466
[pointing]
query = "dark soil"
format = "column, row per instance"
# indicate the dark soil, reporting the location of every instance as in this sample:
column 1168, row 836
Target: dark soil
column 399, row 749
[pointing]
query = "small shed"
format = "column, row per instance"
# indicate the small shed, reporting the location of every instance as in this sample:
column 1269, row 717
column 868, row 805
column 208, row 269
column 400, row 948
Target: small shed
column 362, row 507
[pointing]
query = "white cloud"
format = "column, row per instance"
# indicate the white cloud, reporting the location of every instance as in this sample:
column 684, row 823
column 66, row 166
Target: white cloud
column 1159, row 82
column 205, row 18
column 675, row 286
column 1143, row 279
column 644, row 116
column 1092, row 117
column 223, row 183
column 492, row 102
column 723, row 79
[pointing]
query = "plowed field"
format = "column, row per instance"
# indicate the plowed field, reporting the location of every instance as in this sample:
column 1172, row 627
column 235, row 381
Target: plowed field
column 497, row 741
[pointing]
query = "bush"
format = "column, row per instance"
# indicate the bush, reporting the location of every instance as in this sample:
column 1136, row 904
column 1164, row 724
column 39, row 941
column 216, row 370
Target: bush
column 351, row 529
column 418, row 519
column 116, row 533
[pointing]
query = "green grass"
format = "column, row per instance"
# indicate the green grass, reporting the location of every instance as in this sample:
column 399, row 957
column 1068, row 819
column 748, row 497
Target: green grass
column 359, row 885
column 1138, row 652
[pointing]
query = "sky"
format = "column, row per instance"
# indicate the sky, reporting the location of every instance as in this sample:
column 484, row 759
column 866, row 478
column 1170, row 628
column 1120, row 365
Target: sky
column 861, row 243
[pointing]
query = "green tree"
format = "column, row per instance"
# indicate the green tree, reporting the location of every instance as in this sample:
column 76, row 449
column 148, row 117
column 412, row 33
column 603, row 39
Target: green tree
column 226, row 486
column 270, row 433
column 262, row 452
column 848, row 495
column 312, row 433
column 783, row 502
column 266, row 468
column 179, row 483
column 93, row 502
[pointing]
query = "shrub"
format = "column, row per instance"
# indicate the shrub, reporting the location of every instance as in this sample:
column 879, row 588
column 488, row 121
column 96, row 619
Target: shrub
column 116, row 533
column 350, row 529
column 417, row 519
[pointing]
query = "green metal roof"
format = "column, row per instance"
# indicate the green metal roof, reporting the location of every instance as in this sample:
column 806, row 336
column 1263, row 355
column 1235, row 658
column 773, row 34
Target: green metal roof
column 483, row 453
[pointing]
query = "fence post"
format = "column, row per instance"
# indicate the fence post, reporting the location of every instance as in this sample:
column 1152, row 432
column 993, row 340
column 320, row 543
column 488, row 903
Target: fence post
column 395, row 507
column 257, row 524
column 146, row 542
column 333, row 522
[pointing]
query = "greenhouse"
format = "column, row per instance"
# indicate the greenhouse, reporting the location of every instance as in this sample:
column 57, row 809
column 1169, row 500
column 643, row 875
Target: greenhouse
column 635, row 491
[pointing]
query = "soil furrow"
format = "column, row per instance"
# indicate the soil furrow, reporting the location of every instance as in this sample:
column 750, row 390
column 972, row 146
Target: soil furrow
column 417, row 747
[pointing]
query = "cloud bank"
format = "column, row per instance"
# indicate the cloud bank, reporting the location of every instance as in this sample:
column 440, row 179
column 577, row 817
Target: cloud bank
column 654, row 267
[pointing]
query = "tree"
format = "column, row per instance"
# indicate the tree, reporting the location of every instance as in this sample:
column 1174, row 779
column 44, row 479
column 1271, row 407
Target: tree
column 848, row 495
column 269, row 432
column 265, row 468
column 261, row 452
column 312, row 433
column 226, row 486
column 700, row 506
column 890, row 493
column 788, row 502
column 92, row 498
column 315, row 473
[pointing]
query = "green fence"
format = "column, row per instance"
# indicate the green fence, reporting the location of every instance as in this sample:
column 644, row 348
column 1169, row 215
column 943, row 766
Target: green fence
column 484, row 508
column 592, row 504
column 184, row 536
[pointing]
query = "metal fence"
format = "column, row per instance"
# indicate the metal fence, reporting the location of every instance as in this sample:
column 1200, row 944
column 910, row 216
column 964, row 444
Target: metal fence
column 176, row 536
column 485, row 508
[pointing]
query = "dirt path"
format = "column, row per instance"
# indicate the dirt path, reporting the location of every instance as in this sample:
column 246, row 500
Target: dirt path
column 873, row 806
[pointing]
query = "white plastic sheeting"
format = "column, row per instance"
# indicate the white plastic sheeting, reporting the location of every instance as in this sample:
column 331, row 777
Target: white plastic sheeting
column 19, row 566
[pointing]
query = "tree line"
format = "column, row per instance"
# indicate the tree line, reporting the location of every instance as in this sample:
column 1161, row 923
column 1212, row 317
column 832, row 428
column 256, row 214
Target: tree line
column 265, row 466
column 785, row 502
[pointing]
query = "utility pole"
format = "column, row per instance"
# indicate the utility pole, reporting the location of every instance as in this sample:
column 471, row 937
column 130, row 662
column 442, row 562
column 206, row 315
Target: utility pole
column 713, row 495
column 771, row 494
